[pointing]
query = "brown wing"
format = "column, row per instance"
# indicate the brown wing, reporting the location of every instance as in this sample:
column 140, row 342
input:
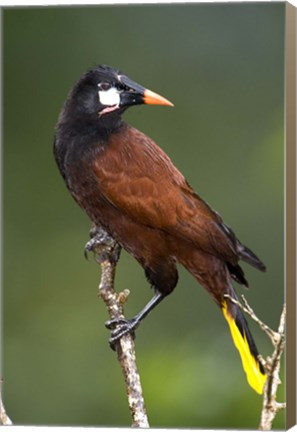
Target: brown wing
column 138, row 178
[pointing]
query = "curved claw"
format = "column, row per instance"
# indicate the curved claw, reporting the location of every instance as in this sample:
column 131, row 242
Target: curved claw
column 102, row 245
column 90, row 246
column 87, row 250
column 122, row 327
column 111, row 324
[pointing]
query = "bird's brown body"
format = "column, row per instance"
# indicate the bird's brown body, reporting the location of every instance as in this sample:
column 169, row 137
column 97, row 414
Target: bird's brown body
column 133, row 190
column 130, row 188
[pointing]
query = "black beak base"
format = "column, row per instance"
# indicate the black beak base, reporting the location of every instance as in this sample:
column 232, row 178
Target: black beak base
column 136, row 94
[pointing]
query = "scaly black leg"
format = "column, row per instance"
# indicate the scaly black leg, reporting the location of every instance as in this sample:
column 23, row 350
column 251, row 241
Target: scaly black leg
column 102, row 243
column 120, row 327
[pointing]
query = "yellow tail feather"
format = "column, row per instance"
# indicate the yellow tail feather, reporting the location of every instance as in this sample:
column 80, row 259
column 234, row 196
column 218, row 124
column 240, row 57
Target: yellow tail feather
column 255, row 377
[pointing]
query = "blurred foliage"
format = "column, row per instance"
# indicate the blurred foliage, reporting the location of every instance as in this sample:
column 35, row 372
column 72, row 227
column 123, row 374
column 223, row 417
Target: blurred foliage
column 223, row 67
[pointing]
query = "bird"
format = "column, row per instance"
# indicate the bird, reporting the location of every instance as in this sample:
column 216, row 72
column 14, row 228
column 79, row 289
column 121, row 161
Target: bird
column 130, row 189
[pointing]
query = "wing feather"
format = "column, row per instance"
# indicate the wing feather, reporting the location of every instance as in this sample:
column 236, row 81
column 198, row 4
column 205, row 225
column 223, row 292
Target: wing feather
column 152, row 192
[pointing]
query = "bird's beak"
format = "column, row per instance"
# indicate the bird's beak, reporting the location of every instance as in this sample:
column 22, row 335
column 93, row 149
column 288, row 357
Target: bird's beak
column 137, row 94
column 152, row 98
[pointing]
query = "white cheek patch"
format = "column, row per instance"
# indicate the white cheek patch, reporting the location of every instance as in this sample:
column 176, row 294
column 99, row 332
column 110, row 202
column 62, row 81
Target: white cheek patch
column 109, row 97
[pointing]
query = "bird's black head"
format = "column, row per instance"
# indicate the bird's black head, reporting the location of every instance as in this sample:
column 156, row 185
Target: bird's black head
column 104, row 93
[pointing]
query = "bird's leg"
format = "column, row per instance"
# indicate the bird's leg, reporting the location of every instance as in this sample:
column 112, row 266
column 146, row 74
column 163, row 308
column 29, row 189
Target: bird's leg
column 101, row 243
column 121, row 327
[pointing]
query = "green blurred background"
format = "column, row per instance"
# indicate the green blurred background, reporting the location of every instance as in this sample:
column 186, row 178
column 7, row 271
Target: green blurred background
column 223, row 67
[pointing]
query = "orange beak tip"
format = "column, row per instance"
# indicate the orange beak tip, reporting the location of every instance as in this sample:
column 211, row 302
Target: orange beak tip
column 152, row 98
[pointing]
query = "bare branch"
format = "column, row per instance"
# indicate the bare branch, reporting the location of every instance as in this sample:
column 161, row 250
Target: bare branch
column 270, row 406
column 107, row 256
column 4, row 419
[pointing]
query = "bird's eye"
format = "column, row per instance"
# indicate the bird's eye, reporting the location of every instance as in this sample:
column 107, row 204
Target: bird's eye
column 104, row 86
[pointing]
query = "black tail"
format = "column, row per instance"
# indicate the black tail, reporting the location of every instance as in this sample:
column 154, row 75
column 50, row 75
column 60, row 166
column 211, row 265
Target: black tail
column 248, row 256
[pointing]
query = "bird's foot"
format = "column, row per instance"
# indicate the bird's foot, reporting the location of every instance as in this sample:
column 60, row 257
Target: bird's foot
column 102, row 245
column 119, row 327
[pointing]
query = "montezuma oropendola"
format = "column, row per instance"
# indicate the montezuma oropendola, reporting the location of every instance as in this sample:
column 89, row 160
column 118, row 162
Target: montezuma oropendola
column 129, row 187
